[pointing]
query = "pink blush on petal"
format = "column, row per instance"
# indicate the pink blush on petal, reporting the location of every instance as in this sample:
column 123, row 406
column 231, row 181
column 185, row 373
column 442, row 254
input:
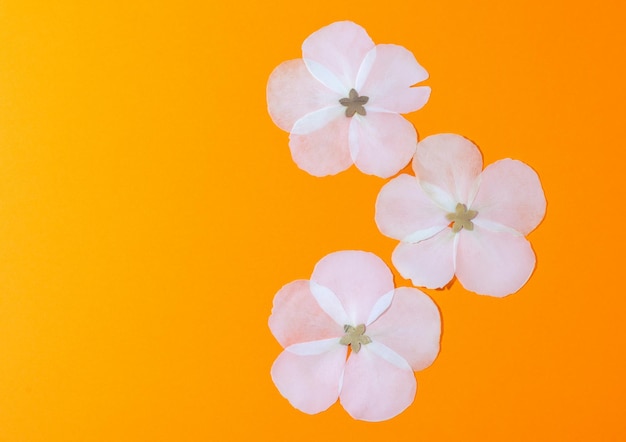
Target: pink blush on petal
column 311, row 382
column 292, row 93
column 297, row 317
column 428, row 263
column 324, row 151
column 340, row 48
column 493, row 263
column 450, row 162
column 359, row 279
column 382, row 143
column 411, row 327
column 510, row 194
column 374, row 389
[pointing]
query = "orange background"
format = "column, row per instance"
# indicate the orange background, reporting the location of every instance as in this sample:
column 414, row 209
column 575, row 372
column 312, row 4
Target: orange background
column 149, row 211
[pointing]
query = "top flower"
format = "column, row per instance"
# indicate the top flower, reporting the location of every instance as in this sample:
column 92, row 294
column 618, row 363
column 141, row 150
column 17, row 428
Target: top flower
column 342, row 100
column 455, row 219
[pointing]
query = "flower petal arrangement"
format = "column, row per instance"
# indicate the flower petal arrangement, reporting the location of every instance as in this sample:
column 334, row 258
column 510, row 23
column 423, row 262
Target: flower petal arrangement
column 348, row 333
column 454, row 218
column 342, row 102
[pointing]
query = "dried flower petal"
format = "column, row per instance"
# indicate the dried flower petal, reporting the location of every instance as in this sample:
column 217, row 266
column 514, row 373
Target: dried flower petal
column 489, row 214
column 400, row 334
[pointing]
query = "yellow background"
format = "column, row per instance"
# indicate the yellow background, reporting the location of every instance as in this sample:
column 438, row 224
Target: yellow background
column 149, row 211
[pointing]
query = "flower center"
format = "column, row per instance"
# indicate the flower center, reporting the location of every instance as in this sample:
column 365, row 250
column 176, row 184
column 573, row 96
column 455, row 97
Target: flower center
column 461, row 218
column 354, row 103
column 354, row 337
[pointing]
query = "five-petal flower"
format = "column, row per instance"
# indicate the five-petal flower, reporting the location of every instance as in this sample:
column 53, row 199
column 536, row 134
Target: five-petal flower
column 454, row 219
column 350, row 303
column 341, row 102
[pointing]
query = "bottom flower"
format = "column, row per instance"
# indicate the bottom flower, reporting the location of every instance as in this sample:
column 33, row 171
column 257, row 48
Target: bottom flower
column 348, row 334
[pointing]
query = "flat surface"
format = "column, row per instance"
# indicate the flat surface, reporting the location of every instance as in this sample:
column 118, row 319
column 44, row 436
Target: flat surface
column 149, row 210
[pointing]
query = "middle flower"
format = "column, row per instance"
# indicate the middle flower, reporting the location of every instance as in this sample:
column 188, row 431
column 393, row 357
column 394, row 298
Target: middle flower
column 341, row 102
column 455, row 218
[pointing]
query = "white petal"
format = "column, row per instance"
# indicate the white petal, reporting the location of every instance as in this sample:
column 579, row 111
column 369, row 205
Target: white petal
column 380, row 307
column 381, row 350
column 326, row 77
column 313, row 347
column 314, row 121
column 329, row 302
column 440, row 197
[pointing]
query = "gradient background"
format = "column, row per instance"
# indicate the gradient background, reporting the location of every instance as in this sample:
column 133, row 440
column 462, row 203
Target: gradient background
column 149, row 211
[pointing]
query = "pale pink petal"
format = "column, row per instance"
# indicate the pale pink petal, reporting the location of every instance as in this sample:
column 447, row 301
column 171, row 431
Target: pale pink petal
column 292, row 93
column 428, row 263
column 324, row 151
column 450, row 162
column 411, row 327
column 358, row 279
column 403, row 209
column 375, row 389
column 380, row 307
column 317, row 120
column 386, row 77
column 382, row 143
column 329, row 302
column 493, row 263
column 339, row 48
column 381, row 350
column 314, row 347
column 410, row 100
column 510, row 194
column 297, row 317
column 311, row 382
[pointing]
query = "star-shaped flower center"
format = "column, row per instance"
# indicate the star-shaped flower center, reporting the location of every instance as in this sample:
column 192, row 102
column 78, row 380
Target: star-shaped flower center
column 354, row 337
column 354, row 103
column 461, row 218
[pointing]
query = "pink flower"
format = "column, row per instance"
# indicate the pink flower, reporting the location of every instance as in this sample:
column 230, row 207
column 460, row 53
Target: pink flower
column 455, row 218
column 342, row 100
column 350, row 304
